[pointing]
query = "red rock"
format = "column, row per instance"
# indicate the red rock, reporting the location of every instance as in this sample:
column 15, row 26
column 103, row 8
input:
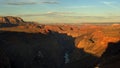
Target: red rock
column 95, row 43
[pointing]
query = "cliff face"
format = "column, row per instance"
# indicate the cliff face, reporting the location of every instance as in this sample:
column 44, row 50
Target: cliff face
column 32, row 45
column 97, row 42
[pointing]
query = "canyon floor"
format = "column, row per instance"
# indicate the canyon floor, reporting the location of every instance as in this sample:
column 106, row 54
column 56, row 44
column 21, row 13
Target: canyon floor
column 31, row 45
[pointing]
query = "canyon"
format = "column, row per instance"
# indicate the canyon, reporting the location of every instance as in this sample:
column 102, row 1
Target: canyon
column 26, row 44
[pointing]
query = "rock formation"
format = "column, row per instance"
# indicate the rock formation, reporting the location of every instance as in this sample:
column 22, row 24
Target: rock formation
column 96, row 42
column 11, row 20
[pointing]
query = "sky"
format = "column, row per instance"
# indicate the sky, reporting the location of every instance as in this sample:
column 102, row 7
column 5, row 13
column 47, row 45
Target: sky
column 62, row 11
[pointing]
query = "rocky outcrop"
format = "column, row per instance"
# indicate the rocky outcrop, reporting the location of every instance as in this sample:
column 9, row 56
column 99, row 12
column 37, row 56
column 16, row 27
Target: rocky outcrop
column 96, row 43
column 11, row 20
column 70, row 30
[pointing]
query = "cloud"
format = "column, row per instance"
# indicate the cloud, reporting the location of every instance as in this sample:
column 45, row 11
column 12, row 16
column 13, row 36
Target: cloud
column 50, row 14
column 60, row 13
column 70, row 15
column 52, row 2
column 90, row 17
column 110, row 4
column 21, row 3
column 83, row 6
column 30, row 2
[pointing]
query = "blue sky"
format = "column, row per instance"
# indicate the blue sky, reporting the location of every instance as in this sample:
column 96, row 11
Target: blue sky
column 62, row 11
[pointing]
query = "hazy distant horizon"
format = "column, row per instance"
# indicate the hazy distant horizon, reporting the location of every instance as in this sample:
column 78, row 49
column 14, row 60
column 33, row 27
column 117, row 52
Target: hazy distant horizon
column 63, row 11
